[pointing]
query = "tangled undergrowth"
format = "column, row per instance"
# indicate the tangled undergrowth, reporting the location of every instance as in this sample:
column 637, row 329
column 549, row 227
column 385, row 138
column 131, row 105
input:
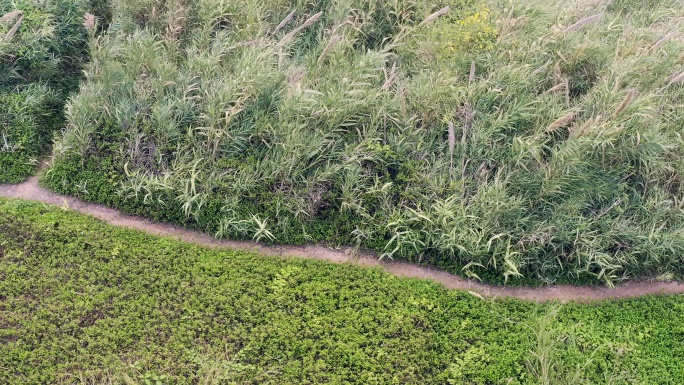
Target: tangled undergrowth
column 527, row 141
column 82, row 302
column 43, row 46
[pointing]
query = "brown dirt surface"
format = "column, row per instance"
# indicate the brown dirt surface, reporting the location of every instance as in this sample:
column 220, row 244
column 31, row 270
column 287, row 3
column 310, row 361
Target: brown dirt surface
column 30, row 190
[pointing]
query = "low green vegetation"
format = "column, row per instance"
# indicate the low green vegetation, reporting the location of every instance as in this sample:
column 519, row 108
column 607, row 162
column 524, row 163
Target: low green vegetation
column 524, row 141
column 527, row 141
column 82, row 302
column 42, row 48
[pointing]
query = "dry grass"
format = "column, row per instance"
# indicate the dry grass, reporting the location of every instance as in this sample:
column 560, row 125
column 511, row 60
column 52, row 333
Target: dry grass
column 307, row 23
column 576, row 26
column 560, row 122
column 435, row 15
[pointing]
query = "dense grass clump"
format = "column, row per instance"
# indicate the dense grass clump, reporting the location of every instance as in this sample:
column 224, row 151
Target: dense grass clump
column 42, row 48
column 82, row 302
column 536, row 140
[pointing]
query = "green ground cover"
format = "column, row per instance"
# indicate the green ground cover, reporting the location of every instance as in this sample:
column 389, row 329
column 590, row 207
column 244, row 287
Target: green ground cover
column 558, row 158
column 43, row 45
column 82, row 302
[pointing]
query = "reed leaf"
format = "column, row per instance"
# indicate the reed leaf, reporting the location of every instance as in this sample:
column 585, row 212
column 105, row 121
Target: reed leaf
column 626, row 102
column 583, row 22
column 9, row 16
column 307, row 23
column 328, row 47
column 452, row 142
column 560, row 122
column 435, row 15
column 391, row 77
column 677, row 78
column 18, row 16
column 471, row 76
column 284, row 22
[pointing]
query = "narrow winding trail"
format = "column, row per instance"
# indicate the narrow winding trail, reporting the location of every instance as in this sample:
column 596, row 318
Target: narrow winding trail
column 30, row 190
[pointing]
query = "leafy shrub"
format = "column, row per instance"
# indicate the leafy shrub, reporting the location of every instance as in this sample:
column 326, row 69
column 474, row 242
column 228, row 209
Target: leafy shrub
column 456, row 36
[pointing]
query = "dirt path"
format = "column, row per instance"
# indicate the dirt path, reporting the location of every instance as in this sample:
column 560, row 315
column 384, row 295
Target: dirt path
column 30, row 190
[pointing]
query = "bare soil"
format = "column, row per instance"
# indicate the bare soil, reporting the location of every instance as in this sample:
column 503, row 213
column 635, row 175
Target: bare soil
column 30, row 190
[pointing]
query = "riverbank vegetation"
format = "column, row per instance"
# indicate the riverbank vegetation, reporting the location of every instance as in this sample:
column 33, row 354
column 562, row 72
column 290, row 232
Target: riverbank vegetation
column 524, row 141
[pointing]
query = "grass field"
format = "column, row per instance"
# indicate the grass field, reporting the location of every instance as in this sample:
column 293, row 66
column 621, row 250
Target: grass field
column 83, row 302
column 526, row 141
